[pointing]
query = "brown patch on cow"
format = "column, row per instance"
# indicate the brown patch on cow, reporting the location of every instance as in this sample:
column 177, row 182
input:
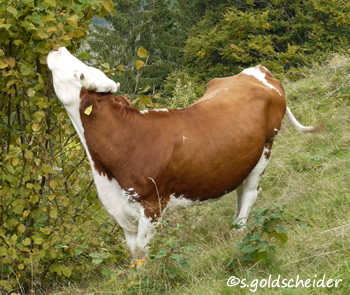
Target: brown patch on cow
column 268, row 152
column 225, row 141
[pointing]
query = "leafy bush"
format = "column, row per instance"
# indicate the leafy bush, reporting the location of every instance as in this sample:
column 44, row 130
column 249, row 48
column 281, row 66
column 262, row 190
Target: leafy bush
column 266, row 225
column 166, row 247
column 48, row 212
column 280, row 34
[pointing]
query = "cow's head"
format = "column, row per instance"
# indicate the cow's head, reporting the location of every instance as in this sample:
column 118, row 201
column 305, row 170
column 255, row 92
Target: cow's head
column 70, row 75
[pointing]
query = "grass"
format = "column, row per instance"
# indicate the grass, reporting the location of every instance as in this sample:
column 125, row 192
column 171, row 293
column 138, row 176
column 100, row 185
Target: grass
column 310, row 174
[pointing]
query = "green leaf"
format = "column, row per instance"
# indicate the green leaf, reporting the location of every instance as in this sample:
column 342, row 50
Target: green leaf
column 142, row 52
column 66, row 271
column 97, row 261
column 5, row 26
column 283, row 237
column 12, row 10
column 25, row 70
column 248, row 248
column 41, row 48
column 28, row 3
column 18, row 209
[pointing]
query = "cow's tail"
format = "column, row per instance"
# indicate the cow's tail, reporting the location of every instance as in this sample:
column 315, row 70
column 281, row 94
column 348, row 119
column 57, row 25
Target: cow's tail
column 301, row 128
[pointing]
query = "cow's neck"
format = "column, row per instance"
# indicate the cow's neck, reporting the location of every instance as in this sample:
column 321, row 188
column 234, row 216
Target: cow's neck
column 109, row 191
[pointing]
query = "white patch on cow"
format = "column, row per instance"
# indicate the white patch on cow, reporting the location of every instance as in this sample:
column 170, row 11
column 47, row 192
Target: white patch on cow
column 248, row 191
column 178, row 203
column 256, row 73
column 153, row 110
column 184, row 138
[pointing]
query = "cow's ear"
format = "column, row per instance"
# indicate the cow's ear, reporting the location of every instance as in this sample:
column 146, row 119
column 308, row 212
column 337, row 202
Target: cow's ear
column 121, row 100
column 88, row 102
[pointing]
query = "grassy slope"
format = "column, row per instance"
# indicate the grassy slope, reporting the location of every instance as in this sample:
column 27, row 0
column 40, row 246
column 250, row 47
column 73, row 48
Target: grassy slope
column 310, row 174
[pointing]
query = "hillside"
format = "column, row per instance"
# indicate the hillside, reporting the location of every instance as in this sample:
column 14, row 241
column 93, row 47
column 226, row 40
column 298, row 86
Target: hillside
column 309, row 174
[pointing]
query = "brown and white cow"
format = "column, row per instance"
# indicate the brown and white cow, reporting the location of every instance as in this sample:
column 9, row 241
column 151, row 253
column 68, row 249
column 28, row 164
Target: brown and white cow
column 147, row 162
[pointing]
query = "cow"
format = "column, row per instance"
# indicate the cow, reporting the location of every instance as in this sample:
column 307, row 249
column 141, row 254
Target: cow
column 145, row 163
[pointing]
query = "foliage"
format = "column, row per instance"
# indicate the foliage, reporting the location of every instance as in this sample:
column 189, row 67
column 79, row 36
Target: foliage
column 183, row 95
column 152, row 24
column 266, row 224
column 280, row 34
column 167, row 247
column 47, row 208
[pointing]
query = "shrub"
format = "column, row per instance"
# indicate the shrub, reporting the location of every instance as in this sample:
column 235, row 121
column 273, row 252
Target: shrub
column 48, row 212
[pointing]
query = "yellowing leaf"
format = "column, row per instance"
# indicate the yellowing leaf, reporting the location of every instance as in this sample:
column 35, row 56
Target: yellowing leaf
column 73, row 20
column 30, row 92
column 51, row 30
column 21, row 228
column 47, row 19
column 88, row 110
column 38, row 241
column 18, row 209
column 3, row 65
column 51, row 197
column 120, row 69
column 26, row 242
column 15, row 162
column 34, row 199
column 65, row 201
column 53, row 183
column 10, row 61
column 139, row 64
column 108, row 5
column 142, row 52
column 20, row 266
column 28, row 155
column 36, row 127
column 26, row 213
column 49, row 3
column 146, row 99
column 53, row 213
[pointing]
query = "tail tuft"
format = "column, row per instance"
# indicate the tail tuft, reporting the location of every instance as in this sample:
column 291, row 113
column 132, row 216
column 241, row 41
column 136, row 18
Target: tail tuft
column 301, row 128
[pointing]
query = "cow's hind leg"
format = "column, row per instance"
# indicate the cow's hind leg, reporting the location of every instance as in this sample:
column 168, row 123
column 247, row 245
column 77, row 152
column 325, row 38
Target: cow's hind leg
column 248, row 191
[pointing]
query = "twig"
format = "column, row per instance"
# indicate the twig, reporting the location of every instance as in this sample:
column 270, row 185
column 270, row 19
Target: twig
column 335, row 228
column 317, row 255
column 159, row 197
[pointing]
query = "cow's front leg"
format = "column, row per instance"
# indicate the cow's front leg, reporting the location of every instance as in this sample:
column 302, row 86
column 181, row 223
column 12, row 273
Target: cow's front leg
column 95, row 80
column 137, row 242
